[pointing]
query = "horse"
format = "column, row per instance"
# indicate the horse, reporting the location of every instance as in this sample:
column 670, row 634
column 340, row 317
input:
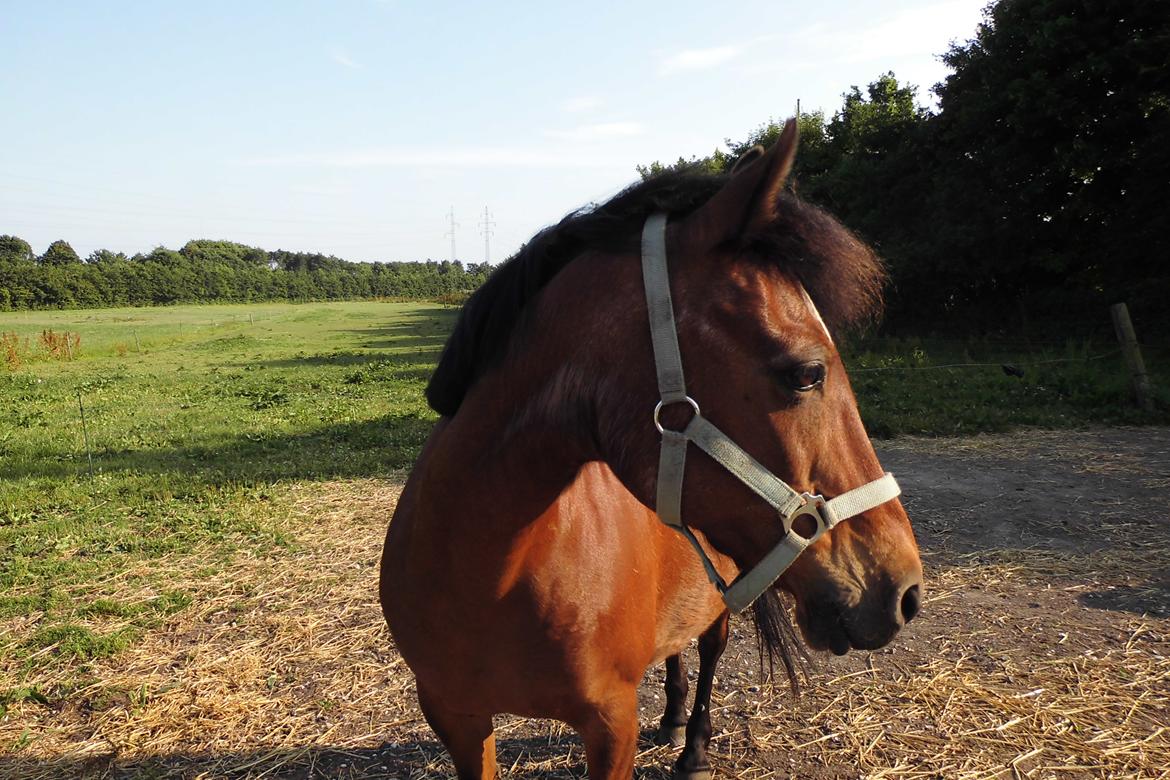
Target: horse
column 554, row 541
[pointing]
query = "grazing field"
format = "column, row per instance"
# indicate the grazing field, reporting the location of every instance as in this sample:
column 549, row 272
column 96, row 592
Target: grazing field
column 200, row 422
column 201, row 603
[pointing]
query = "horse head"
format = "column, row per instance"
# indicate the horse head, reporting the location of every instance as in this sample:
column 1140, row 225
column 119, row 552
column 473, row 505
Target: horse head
column 759, row 281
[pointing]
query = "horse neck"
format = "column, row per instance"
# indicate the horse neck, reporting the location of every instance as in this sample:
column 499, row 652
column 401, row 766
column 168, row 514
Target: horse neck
column 514, row 435
column 526, row 428
column 517, row 443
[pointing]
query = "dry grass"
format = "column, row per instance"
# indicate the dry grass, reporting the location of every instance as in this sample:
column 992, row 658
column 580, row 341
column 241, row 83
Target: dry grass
column 60, row 346
column 1015, row 695
column 1084, row 449
column 282, row 667
column 13, row 347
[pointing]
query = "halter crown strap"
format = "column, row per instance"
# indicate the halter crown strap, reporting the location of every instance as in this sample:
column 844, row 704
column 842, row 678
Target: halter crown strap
column 672, row 388
column 667, row 360
column 788, row 503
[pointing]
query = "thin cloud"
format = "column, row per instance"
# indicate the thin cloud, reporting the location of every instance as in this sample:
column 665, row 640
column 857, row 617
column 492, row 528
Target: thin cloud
column 598, row 132
column 579, row 104
column 343, row 59
column 697, row 59
column 474, row 157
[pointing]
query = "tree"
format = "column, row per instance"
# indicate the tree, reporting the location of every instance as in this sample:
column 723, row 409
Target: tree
column 60, row 253
column 208, row 271
column 104, row 257
column 1054, row 133
column 226, row 252
column 877, row 122
column 867, row 165
column 15, row 250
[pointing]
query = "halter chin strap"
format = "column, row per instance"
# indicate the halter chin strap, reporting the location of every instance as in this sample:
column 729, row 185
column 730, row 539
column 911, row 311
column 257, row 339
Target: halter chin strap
column 788, row 503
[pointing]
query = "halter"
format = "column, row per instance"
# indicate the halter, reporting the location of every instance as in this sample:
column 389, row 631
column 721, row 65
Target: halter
column 788, row 503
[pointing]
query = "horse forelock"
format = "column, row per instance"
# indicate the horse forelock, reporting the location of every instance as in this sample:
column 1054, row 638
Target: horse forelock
column 840, row 273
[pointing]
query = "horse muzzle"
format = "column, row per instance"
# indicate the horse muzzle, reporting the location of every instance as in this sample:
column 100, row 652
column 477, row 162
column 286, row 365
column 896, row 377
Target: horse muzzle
column 829, row 621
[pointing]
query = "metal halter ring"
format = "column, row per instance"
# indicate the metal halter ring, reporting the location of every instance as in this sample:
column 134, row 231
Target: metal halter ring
column 658, row 410
column 814, row 507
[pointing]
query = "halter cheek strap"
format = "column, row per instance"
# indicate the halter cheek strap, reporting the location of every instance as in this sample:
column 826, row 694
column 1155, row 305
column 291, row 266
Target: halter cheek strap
column 788, row 503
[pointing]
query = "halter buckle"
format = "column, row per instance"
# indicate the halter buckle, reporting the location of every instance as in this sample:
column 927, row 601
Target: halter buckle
column 658, row 410
column 813, row 506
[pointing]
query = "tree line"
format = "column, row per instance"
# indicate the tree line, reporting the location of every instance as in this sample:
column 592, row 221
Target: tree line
column 212, row 271
column 1036, row 193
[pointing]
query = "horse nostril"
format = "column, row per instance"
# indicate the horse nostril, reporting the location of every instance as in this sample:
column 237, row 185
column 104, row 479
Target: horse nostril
column 910, row 603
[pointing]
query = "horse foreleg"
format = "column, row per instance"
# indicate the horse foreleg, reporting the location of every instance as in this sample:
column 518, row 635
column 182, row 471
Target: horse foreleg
column 672, row 728
column 610, row 734
column 470, row 739
column 692, row 764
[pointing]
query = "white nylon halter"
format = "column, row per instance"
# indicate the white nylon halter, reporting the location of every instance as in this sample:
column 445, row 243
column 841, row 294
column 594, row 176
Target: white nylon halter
column 788, row 503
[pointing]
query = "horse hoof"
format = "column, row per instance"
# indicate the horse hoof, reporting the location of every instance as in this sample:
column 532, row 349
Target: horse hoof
column 693, row 774
column 675, row 736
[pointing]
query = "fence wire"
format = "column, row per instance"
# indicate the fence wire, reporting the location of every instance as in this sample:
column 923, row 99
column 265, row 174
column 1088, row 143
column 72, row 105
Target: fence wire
column 1000, row 365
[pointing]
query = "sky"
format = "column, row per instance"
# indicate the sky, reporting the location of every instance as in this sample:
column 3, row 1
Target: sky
column 353, row 127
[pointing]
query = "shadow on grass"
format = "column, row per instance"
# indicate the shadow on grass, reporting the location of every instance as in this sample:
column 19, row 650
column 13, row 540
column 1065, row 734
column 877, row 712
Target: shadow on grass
column 418, row 343
column 421, row 355
column 557, row 758
column 427, row 328
column 353, row 449
column 416, row 338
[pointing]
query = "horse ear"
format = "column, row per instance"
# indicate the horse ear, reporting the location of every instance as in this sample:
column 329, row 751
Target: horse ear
column 748, row 200
column 747, row 158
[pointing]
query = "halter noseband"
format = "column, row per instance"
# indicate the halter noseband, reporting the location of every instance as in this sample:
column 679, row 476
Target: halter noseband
column 788, row 503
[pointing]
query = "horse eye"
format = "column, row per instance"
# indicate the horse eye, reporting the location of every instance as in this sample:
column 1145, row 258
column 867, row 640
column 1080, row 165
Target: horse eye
column 808, row 377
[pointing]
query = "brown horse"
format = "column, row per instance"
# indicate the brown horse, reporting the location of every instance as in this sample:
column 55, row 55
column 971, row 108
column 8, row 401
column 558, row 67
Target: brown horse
column 526, row 569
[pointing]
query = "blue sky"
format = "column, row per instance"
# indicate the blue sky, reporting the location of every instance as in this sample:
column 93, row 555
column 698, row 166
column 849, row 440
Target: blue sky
column 351, row 127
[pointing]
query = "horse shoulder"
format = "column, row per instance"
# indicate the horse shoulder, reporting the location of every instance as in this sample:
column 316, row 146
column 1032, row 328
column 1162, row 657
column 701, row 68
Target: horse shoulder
column 625, row 563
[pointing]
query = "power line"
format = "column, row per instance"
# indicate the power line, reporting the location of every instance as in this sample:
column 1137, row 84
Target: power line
column 485, row 227
column 451, row 231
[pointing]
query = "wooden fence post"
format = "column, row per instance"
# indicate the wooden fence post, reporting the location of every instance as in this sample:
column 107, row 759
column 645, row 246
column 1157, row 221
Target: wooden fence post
column 1133, row 356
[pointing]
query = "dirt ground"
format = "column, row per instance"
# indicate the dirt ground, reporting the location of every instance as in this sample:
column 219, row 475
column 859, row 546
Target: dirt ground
column 1042, row 650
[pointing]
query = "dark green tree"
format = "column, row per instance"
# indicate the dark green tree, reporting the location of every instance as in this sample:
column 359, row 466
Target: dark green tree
column 60, row 253
column 15, row 250
column 105, row 257
column 867, row 164
column 1053, row 139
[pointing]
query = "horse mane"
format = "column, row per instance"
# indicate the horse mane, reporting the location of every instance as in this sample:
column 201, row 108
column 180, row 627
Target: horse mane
column 841, row 274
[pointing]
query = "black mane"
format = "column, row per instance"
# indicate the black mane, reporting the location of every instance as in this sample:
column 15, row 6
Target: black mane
column 840, row 273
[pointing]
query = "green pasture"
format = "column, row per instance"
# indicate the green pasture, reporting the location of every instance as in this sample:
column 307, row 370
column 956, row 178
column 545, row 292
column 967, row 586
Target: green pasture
column 949, row 387
column 201, row 419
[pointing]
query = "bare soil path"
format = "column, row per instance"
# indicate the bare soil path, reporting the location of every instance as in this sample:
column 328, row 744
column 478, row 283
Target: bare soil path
column 1043, row 648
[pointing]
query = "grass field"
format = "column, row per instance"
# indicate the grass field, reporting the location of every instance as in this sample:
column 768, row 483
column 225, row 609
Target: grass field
column 208, row 425
column 198, row 419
